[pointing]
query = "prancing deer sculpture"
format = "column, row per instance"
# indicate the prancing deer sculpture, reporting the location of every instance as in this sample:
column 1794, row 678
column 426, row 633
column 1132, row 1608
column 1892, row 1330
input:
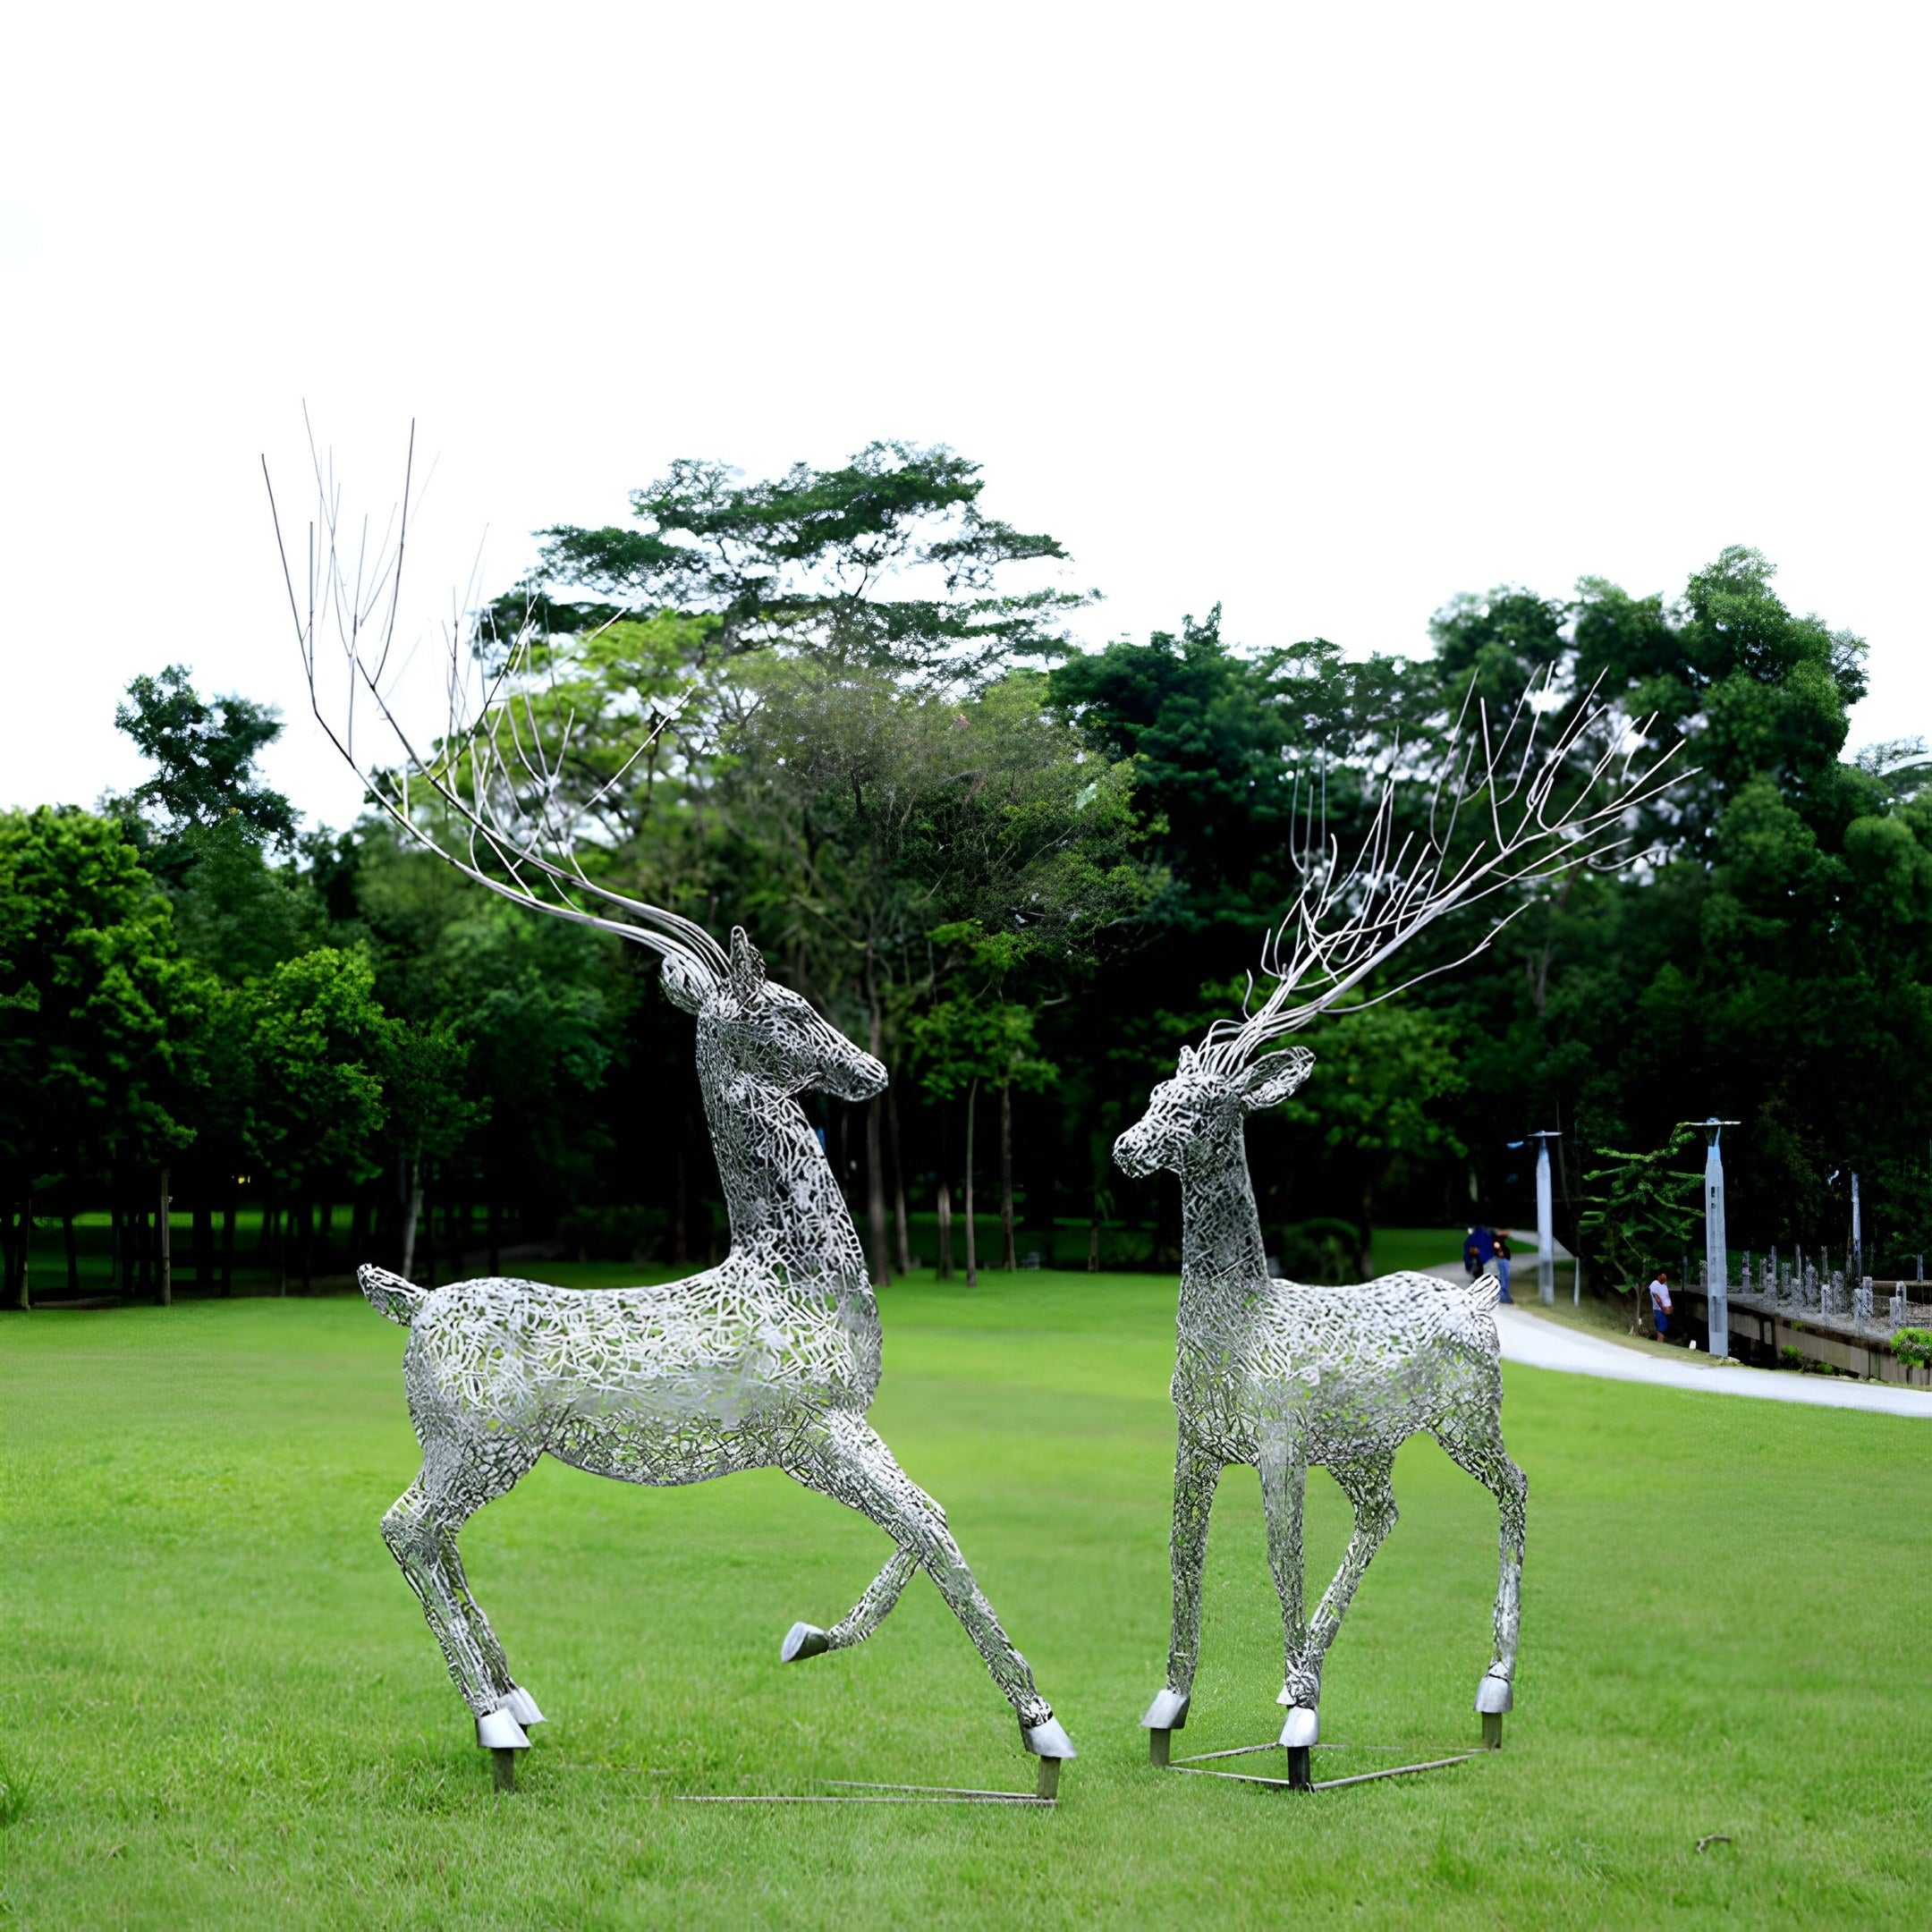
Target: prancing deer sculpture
column 1285, row 1376
column 770, row 1360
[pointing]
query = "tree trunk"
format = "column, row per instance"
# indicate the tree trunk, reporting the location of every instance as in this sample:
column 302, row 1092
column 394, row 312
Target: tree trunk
column 117, row 1243
column 973, row 1241
column 1008, row 1260
column 359, row 1220
column 11, row 1291
column 72, row 1251
column 898, row 1170
column 876, row 1194
column 493, row 1223
column 1093, row 1240
column 945, row 1229
column 1365, row 1234
column 164, row 1249
column 680, row 1239
column 326, row 1235
column 26, row 1249
column 227, row 1252
column 411, row 1213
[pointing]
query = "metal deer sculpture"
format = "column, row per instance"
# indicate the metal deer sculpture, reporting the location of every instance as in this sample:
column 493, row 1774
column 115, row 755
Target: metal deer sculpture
column 770, row 1360
column 1283, row 1375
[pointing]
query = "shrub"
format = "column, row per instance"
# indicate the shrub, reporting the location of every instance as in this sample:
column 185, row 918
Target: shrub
column 614, row 1234
column 1913, row 1345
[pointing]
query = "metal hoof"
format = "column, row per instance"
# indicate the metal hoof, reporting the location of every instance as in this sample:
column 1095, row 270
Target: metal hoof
column 1303, row 1728
column 1167, row 1712
column 803, row 1640
column 1493, row 1696
column 499, row 1731
column 1048, row 1740
column 523, row 1707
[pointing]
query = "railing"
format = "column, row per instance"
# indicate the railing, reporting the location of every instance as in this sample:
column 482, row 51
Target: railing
column 1862, row 1307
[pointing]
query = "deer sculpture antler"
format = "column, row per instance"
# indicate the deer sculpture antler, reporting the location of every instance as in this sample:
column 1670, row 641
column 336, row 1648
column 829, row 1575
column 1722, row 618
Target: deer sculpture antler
column 1349, row 920
column 498, row 773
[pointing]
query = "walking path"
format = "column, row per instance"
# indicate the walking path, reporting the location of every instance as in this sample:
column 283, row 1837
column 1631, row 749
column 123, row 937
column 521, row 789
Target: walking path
column 1540, row 1344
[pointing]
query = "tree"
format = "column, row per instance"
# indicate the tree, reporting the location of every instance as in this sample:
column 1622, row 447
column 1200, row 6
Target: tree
column 206, row 752
column 1640, row 1211
column 796, row 563
column 94, row 1006
column 1374, row 1101
column 318, row 1045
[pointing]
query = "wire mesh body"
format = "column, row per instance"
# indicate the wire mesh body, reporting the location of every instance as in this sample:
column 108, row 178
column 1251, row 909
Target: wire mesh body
column 1285, row 1376
column 770, row 1360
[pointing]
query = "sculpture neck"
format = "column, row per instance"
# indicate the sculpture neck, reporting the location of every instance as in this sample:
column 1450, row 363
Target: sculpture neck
column 785, row 1205
column 1221, row 1246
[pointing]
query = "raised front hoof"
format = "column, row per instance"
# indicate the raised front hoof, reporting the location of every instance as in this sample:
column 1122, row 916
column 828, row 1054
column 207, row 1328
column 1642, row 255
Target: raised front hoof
column 803, row 1640
column 1048, row 1740
column 498, row 1730
column 523, row 1707
column 1167, row 1712
column 1493, row 1696
column 1302, row 1731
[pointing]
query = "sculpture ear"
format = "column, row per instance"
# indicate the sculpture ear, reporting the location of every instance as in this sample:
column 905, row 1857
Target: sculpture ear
column 1185, row 1060
column 685, row 982
column 1270, row 1080
column 747, row 965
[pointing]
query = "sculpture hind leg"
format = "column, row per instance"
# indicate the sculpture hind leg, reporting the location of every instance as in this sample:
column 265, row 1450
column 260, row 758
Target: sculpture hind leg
column 846, row 1459
column 421, row 1527
column 1367, row 1487
column 1197, row 1475
column 1479, row 1450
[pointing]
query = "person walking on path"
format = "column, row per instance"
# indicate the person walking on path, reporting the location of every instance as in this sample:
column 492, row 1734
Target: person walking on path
column 1478, row 1250
column 1660, row 1305
column 1502, row 1263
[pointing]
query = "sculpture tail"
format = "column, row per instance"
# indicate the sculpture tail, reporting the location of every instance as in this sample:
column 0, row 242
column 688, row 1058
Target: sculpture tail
column 389, row 1294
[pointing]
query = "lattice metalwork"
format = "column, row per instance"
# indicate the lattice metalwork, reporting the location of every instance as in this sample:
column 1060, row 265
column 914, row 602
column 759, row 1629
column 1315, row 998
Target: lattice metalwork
column 768, row 1360
column 1284, row 1377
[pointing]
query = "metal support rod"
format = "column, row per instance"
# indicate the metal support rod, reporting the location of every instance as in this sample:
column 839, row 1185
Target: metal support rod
column 1299, row 1776
column 1159, row 1744
column 502, row 1770
column 1049, row 1786
column 1492, row 1731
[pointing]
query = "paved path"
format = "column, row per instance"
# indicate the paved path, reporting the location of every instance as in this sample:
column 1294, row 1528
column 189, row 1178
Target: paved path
column 1539, row 1344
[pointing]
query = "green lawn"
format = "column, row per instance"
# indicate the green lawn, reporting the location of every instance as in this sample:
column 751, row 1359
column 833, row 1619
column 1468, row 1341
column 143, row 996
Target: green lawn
column 221, row 1707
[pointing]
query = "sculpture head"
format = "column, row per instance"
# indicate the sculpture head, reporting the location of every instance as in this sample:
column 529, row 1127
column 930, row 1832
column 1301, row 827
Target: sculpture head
column 1214, row 1088
column 768, row 1032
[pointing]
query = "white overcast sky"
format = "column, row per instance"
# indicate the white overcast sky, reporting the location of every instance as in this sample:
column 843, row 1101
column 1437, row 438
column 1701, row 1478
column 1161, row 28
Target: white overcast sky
column 1324, row 311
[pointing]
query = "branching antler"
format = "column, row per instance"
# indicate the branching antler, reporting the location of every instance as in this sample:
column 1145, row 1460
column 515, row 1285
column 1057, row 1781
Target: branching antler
column 496, row 777
column 1349, row 921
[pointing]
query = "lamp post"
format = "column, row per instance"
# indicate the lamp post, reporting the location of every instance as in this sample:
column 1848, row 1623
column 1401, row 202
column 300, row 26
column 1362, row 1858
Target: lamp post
column 1545, row 1232
column 1716, row 1259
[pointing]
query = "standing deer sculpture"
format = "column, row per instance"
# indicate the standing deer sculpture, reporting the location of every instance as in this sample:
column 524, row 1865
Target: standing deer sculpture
column 768, row 1360
column 1283, row 1375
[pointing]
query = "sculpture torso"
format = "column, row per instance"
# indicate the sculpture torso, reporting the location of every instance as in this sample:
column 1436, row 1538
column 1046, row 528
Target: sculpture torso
column 694, row 1378
column 1262, row 1360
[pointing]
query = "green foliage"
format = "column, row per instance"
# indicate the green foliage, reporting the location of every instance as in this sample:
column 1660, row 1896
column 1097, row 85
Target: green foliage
column 1913, row 1345
column 93, row 998
column 796, row 563
column 206, row 752
column 318, row 1045
column 1640, row 1209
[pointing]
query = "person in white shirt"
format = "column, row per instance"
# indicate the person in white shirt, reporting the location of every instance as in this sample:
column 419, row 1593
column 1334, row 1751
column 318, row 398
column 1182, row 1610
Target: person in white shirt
column 1660, row 1305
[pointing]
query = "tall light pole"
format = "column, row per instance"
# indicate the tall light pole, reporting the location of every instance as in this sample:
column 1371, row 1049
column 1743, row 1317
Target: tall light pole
column 1716, row 1257
column 1545, row 1232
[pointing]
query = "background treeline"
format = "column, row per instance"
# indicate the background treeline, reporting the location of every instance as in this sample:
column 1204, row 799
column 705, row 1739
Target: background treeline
column 1021, row 874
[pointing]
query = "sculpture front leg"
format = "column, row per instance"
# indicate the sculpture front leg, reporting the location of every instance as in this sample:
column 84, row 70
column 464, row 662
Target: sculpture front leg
column 1197, row 1474
column 1283, row 1490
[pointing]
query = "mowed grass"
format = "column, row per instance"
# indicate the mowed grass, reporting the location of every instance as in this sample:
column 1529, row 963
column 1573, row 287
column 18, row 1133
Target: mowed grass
column 219, row 1705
